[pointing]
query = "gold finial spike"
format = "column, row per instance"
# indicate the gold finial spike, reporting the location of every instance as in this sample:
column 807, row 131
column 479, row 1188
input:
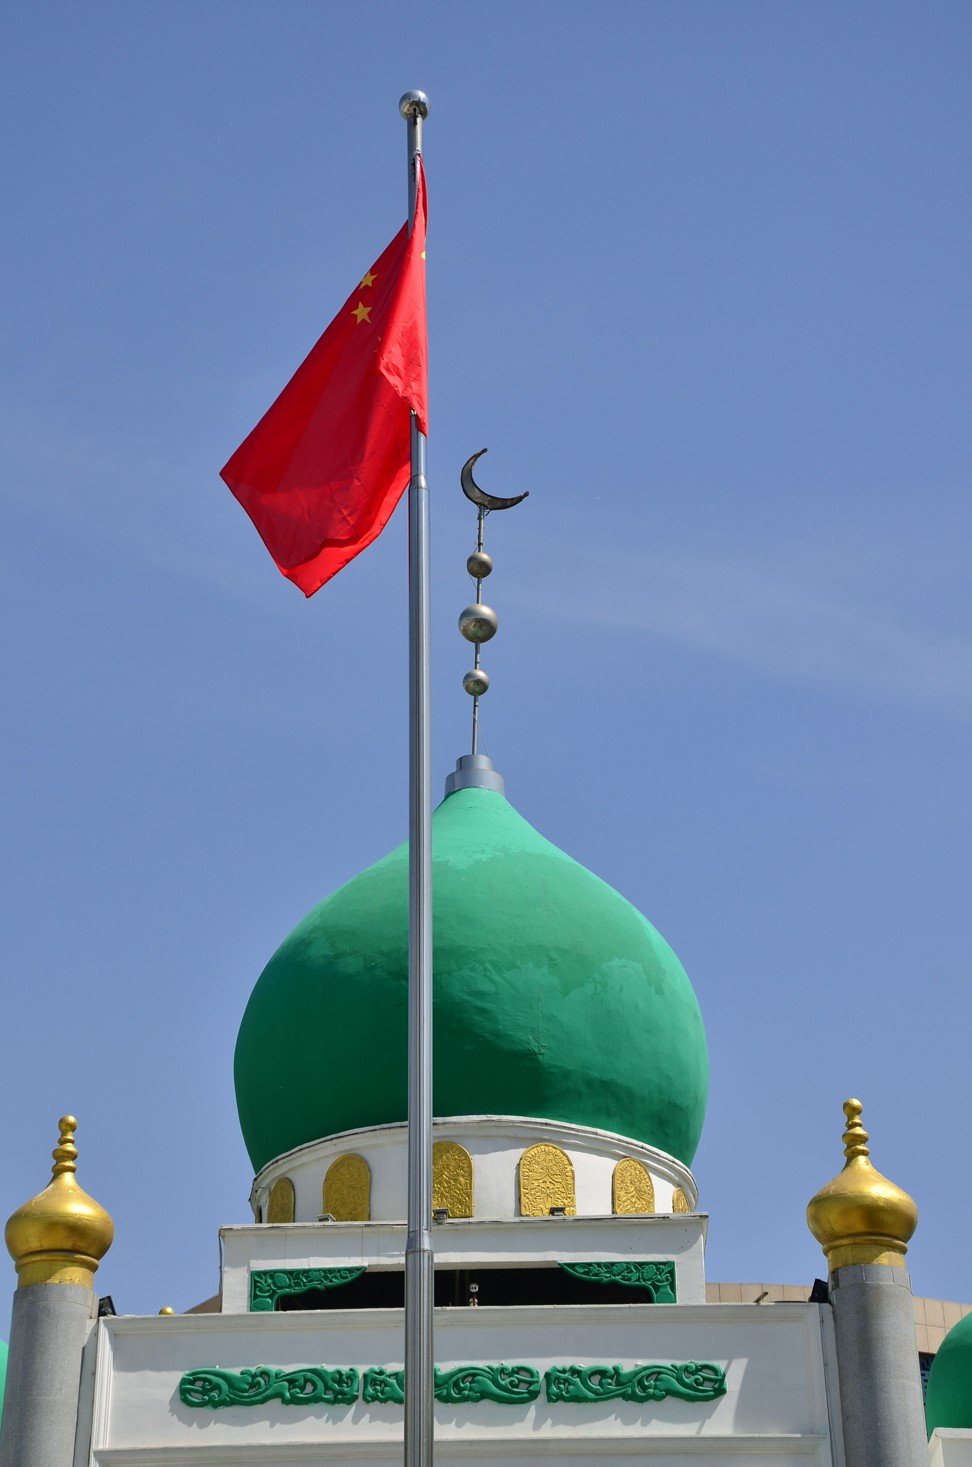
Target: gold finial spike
column 65, row 1153
column 61, row 1235
column 861, row 1216
column 855, row 1138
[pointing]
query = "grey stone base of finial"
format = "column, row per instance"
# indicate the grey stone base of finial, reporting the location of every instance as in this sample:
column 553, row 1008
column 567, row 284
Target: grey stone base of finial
column 877, row 1364
column 47, row 1336
column 474, row 772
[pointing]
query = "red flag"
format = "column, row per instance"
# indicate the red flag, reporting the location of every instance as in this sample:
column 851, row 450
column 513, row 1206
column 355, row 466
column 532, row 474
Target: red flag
column 322, row 471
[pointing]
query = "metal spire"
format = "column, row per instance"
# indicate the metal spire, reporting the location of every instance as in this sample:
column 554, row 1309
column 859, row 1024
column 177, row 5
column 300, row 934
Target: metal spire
column 478, row 623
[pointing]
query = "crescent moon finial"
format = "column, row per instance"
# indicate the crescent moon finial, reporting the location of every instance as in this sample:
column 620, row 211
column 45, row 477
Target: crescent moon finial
column 478, row 622
column 479, row 496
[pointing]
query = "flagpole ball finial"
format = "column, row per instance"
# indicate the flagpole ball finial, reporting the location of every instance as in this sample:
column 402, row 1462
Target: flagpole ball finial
column 476, row 682
column 479, row 565
column 414, row 104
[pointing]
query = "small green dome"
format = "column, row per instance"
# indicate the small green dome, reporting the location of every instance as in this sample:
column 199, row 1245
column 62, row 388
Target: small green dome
column 554, row 998
column 948, row 1400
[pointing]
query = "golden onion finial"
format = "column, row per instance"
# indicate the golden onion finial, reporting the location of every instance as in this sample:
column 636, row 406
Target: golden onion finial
column 861, row 1216
column 61, row 1235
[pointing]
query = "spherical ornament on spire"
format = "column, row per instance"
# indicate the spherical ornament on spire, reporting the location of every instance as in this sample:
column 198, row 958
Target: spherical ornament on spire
column 478, row 623
column 861, row 1216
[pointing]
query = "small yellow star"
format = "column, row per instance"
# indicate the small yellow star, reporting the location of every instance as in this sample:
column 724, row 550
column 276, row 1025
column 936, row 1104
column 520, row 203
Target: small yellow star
column 423, row 254
column 361, row 313
column 368, row 279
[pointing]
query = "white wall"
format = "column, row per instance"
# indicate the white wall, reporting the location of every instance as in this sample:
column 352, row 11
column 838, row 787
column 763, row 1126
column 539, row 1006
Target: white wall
column 950, row 1448
column 775, row 1410
column 468, row 1243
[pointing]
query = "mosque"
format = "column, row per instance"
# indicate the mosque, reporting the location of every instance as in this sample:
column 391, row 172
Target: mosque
column 573, row 1319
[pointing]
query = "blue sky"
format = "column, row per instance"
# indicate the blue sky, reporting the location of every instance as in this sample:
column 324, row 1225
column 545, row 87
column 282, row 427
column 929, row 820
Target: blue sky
column 698, row 276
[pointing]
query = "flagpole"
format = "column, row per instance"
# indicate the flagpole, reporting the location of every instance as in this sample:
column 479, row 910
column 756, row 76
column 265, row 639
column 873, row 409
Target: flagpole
column 419, row 1369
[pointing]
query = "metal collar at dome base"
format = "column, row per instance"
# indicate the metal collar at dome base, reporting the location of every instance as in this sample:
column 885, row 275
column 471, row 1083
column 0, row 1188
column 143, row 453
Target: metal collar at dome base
column 474, row 772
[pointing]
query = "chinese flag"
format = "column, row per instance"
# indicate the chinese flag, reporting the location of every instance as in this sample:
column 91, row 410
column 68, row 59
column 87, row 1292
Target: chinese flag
column 325, row 466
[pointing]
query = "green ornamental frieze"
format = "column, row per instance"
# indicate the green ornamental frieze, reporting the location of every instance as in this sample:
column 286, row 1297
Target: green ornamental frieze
column 641, row 1383
column 268, row 1284
column 507, row 1385
column 466, row 1384
column 311, row 1385
column 657, row 1279
column 383, row 1387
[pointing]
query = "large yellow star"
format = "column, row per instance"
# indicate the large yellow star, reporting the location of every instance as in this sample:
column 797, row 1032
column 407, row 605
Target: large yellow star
column 361, row 313
column 368, row 279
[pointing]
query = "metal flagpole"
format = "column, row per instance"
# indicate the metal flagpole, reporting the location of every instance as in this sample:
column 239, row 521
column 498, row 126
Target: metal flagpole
column 419, row 1370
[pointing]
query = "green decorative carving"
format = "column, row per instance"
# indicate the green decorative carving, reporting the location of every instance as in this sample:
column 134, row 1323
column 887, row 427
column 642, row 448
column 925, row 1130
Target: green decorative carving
column 464, row 1384
column 508, row 1384
column 641, row 1383
column 268, row 1284
column 311, row 1385
column 383, row 1387
column 657, row 1279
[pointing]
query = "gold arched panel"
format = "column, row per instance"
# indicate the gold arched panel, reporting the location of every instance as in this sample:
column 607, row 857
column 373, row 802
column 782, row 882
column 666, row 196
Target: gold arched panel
column 632, row 1189
column 546, row 1180
column 347, row 1189
column 281, row 1202
column 452, row 1178
column 680, row 1201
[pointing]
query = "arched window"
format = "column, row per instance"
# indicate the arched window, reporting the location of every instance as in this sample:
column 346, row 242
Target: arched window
column 281, row 1202
column 680, row 1201
column 347, row 1189
column 546, row 1181
column 632, row 1189
column 452, row 1178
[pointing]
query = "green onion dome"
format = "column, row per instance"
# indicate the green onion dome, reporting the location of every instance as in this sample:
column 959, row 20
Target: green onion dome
column 948, row 1401
column 553, row 999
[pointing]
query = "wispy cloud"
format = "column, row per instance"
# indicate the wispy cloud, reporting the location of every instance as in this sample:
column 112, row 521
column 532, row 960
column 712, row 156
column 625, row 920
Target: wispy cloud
column 884, row 619
column 879, row 621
